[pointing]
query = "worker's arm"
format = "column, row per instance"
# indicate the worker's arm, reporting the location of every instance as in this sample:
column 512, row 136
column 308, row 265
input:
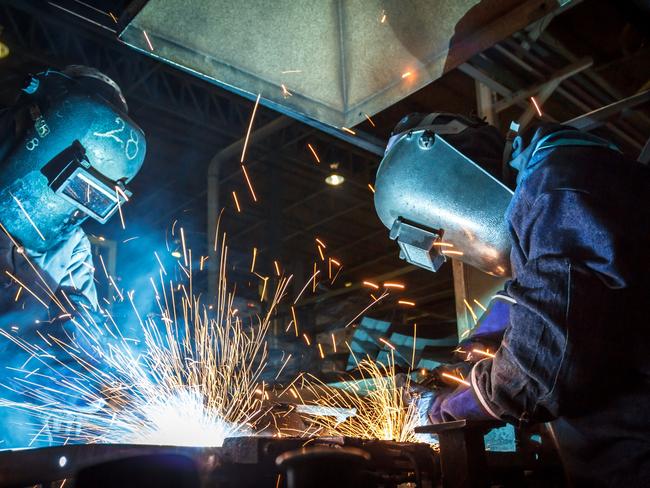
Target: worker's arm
column 551, row 358
column 80, row 271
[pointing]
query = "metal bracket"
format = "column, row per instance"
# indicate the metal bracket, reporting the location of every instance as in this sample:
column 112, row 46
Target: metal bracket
column 416, row 245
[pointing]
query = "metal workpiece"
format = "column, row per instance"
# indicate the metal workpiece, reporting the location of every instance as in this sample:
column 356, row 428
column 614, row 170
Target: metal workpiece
column 241, row 462
column 438, row 203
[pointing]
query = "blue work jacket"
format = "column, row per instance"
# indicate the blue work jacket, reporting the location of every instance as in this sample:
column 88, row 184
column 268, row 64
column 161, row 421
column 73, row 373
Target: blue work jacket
column 576, row 345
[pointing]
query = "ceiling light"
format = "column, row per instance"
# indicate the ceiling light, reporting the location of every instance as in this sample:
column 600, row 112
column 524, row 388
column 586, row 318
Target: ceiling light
column 334, row 179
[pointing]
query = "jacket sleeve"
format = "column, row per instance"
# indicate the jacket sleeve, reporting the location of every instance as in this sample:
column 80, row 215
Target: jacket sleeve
column 80, row 272
column 562, row 294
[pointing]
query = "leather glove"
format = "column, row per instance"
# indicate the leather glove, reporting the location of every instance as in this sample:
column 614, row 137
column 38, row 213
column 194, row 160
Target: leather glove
column 460, row 403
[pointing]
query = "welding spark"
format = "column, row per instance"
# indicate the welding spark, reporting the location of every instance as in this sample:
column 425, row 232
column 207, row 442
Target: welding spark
column 291, row 71
column 539, row 111
column 483, row 353
column 307, row 341
column 320, row 243
column 349, row 131
column 406, row 74
column 369, row 120
column 190, row 382
column 313, row 151
column 277, row 268
column 372, row 188
column 371, row 285
column 452, row 253
column 383, row 17
column 253, row 260
column 285, row 92
column 378, row 411
column 399, row 286
column 250, row 126
column 480, row 305
column 406, row 302
column 146, row 36
column 234, row 197
column 456, row 379
column 113, row 17
column 119, row 207
column 248, row 182
column 443, row 244
column 320, row 252
column 415, row 331
column 381, row 339
column 27, row 216
column 471, row 310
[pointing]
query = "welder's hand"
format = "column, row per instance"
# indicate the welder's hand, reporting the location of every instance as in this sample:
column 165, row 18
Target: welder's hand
column 415, row 397
column 457, row 404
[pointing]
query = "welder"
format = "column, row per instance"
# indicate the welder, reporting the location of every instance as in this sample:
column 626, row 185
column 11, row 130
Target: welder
column 568, row 333
column 68, row 149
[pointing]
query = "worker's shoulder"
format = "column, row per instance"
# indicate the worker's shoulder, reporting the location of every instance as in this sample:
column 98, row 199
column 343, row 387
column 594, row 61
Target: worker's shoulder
column 594, row 170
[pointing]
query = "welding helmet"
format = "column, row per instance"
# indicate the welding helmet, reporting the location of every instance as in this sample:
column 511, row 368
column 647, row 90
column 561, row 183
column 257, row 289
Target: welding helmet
column 437, row 190
column 71, row 151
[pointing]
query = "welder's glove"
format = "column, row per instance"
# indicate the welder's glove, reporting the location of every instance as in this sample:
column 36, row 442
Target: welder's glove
column 457, row 404
column 81, row 326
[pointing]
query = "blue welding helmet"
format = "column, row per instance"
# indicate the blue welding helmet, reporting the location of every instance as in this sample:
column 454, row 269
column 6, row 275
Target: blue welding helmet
column 437, row 190
column 73, row 151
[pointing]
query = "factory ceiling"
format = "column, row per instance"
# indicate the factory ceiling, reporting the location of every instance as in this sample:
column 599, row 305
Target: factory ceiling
column 191, row 123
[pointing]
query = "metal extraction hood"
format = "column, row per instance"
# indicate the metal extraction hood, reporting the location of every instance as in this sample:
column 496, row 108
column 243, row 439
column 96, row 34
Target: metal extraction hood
column 327, row 61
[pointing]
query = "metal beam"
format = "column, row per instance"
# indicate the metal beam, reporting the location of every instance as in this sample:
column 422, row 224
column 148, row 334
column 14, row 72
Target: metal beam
column 598, row 117
column 555, row 79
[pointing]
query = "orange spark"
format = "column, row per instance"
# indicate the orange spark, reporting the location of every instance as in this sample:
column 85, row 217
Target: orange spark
column 253, row 261
column 320, row 349
column 415, row 333
column 406, row 302
column 320, row 251
column 443, row 244
column 387, row 343
column 285, row 93
column 394, row 285
column 313, row 151
column 313, row 289
column 277, row 267
column 539, row 112
column 371, row 285
column 454, row 253
column 350, row 131
column 484, row 353
column 471, row 310
column 480, row 305
column 113, row 17
column 370, row 120
column 406, row 74
column 147, row 39
column 250, row 126
column 234, row 196
column 307, row 339
column 321, row 243
column 248, row 182
column 372, row 188
column 295, row 319
column 456, row 379
column 383, row 17
column 335, row 261
column 334, row 343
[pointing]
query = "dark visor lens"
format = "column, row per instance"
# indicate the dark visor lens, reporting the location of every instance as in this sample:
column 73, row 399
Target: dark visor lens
column 90, row 194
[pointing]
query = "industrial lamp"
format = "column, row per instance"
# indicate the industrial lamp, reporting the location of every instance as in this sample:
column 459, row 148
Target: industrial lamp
column 335, row 178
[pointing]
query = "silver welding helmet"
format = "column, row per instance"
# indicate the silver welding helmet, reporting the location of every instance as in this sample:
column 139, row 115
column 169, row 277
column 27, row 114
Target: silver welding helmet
column 437, row 201
column 69, row 152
